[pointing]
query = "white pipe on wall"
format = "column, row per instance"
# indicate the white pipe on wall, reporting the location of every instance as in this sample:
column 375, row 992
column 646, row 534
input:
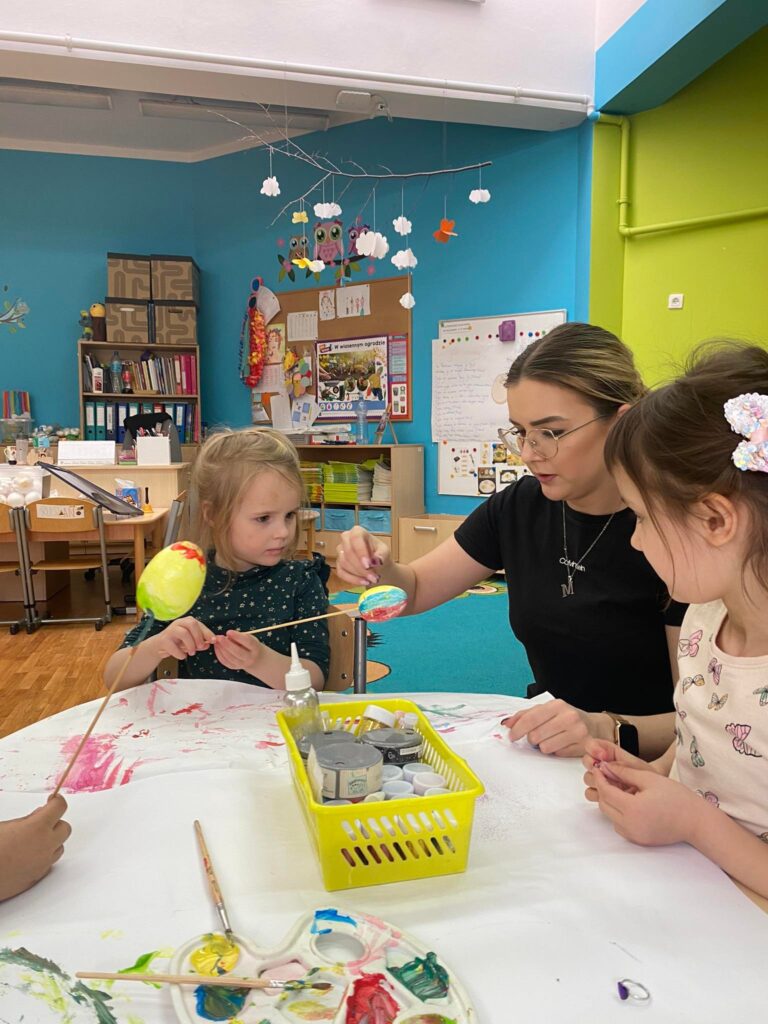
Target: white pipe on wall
column 290, row 69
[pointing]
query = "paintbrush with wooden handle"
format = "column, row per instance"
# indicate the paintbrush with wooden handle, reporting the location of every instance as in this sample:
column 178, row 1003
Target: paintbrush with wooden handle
column 221, row 981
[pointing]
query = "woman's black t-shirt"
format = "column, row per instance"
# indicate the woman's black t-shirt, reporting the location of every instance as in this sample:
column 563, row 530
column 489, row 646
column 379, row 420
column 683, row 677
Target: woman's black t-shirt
column 602, row 648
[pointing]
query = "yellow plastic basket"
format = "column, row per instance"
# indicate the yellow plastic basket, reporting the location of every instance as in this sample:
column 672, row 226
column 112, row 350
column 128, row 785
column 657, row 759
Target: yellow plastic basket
column 393, row 841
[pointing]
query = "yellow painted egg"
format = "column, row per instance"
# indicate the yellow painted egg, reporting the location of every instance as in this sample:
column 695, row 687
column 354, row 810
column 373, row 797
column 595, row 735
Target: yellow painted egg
column 172, row 581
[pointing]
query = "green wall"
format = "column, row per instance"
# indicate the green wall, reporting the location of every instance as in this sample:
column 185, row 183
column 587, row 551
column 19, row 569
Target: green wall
column 704, row 152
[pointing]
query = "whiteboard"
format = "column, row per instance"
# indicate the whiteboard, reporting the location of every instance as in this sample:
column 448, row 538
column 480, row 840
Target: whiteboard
column 469, row 365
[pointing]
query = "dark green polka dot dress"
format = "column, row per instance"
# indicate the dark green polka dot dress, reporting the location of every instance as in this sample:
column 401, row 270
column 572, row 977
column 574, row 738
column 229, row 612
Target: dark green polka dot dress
column 262, row 596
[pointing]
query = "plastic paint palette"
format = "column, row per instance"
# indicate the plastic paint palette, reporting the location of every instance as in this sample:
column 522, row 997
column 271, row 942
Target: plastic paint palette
column 356, row 955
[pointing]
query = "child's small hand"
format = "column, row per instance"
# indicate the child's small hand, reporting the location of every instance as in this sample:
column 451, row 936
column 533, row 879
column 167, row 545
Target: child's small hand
column 30, row 846
column 601, row 757
column 239, row 651
column 651, row 809
column 183, row 637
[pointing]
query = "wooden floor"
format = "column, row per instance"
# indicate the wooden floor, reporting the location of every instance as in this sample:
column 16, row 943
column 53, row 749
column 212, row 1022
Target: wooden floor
column 60, row 666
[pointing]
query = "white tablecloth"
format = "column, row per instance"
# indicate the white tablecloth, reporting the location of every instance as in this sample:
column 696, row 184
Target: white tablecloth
column 553, row 909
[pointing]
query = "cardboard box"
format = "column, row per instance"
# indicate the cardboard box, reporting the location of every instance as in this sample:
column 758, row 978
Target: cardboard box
column 175, row 322
column 175, row 277
column 128, row 321
column 129, row 275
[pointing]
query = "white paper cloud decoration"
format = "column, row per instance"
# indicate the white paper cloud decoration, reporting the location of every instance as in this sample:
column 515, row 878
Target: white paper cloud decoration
column 270, row 187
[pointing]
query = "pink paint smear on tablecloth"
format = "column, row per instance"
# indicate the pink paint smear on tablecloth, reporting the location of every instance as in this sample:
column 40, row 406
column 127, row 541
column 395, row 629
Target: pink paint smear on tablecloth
column 98, row 765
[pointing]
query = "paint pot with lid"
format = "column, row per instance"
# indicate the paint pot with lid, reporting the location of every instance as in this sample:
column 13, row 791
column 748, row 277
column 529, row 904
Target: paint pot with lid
column 375, row 717
column 398, row 746
column 345, row 771
column 322, row 739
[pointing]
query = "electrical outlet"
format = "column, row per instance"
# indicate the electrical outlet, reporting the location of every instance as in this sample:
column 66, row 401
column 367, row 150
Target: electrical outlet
column 675, row 301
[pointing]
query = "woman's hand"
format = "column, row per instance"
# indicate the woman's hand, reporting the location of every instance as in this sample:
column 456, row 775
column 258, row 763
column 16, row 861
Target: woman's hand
column 30, row 846
column 555, row 728
column 360, row 557
column 183, row 637
column 238, row 651
column 648, row 808
column 601, row 758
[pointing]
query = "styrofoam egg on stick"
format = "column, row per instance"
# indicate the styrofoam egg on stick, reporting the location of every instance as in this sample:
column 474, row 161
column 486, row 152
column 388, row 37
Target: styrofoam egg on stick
column 378, row 604
column 172, row 581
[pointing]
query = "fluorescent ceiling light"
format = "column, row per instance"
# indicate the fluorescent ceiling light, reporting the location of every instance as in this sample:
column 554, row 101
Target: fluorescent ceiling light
column 44, row 95
column 203, row 110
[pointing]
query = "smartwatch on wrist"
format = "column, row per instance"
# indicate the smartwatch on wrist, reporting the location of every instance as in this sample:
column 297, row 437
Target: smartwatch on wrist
column 625, row 734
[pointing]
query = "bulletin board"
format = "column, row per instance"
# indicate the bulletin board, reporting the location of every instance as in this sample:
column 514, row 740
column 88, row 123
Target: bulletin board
column 370, row 309
column 470, row 361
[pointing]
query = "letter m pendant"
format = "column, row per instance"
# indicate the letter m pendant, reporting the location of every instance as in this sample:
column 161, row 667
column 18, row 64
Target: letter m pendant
column 567, row 588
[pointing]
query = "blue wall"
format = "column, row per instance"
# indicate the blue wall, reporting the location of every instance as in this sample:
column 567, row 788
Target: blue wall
column 525, row 250
column 59, row 216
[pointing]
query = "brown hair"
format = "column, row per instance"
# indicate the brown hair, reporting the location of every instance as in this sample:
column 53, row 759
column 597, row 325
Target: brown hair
column 676, row 444
column 587, row 359
column 225, row 467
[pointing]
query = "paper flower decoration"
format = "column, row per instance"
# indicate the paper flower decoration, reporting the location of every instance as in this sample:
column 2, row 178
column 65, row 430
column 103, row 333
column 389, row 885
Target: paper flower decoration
column 314, row 265
column 327, row 210
column 372, row 243
column 404, row 258
column 402, row 225
column 270, row 187
column 479, row 195
column 407, row 301
column 299, row 217
column 445, row 232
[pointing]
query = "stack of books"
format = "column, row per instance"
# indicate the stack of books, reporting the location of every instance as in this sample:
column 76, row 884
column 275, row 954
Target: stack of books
column 382, row 482
column 312, row 475
column 365, row 482
column 340, row 482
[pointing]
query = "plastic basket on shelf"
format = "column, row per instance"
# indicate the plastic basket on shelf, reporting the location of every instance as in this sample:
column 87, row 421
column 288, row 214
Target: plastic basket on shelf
column 394, row 840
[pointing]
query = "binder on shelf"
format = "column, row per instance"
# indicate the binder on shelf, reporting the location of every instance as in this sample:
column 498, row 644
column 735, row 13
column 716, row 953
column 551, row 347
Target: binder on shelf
column 90, row 421
column 110, row 421
column 147, row 406
column 178, row 419
column 101, row 421
column 122, row 412
column 133, row 408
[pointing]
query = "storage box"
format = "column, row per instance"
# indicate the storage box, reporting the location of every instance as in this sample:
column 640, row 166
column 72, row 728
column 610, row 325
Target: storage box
column 338, row 518
column 129, row 275
column 376, row 520
column 396, row 840
column 175, row 322
column 128, row 321
column 175, row 277
column 12, row 428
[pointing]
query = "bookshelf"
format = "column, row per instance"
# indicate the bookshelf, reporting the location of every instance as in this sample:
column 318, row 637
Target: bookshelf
column 407, row 464
column 168, row 380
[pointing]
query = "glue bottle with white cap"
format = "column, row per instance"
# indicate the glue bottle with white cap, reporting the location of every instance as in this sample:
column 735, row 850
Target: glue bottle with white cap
column 302, row 708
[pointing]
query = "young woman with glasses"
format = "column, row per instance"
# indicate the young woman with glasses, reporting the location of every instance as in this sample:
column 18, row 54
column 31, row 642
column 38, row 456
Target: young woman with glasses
column 596, row 621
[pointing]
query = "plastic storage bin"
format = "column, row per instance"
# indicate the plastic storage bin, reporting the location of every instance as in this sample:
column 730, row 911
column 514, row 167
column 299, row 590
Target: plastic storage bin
column 376, row 520
column 339, row 519
column 397, row 840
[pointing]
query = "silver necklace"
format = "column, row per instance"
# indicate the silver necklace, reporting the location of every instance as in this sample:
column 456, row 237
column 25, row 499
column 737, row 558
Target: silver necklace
column 572, row 567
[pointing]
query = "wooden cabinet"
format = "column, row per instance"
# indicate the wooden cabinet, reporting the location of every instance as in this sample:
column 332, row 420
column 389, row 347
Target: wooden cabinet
column 419, row 535
column 407, row 464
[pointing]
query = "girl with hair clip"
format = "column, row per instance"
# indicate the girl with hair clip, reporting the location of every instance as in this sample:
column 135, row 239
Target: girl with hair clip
column 248, row 489
column 579, row 596
column 701, row 499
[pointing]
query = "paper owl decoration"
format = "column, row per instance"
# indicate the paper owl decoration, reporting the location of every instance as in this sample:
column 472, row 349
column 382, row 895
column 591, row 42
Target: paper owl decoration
column 298, row 247
column 353, row 233
column 329, row 245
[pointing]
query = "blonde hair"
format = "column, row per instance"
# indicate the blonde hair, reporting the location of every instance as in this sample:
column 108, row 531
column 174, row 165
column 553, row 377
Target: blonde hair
column 225, row 467
column 587, row 359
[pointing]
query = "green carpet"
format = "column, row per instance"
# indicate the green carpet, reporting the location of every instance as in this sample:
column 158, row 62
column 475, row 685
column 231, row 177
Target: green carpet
column 464, row 646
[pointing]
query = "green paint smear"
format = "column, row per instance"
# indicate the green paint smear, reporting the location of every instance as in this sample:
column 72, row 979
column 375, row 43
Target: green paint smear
column 56, row 987
column 426, row 979
column 214, row 1003
column 142, row 964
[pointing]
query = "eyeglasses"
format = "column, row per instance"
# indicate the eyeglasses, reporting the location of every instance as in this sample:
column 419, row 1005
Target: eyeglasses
column 540, row 440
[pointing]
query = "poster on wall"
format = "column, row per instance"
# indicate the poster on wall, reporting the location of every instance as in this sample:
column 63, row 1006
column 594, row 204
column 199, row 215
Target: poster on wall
column 348, row 371
column 476, row 469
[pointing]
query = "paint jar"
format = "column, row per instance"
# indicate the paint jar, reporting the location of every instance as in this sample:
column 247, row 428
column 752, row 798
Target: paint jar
column 392, row 772
column 347, row 771
column 438, row 791
column 322, row 739
column 375, row 717
column 406, row 719
column 427, row 780
column 415, row 768
column 397, row 790
column 372, row 798
column 399, row 746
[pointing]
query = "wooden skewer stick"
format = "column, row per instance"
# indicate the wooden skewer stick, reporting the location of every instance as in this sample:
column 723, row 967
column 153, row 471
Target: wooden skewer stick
column 297, row 622
column 96, row 717
column 223, row 981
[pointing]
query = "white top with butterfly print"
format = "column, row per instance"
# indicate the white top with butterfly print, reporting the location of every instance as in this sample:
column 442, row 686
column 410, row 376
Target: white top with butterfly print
column 721, row 721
